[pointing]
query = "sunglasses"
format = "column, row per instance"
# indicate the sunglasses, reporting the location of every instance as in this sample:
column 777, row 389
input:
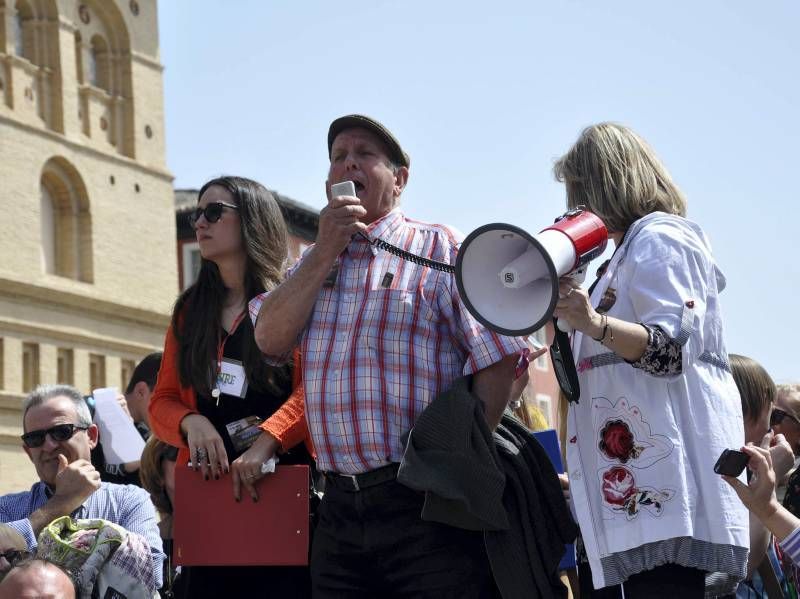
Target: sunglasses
column 778, row 415
column 58, row 433
column 212, row 212
column 14, row 556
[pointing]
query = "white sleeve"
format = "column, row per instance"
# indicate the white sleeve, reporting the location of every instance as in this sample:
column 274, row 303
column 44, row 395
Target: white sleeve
column 669, row 286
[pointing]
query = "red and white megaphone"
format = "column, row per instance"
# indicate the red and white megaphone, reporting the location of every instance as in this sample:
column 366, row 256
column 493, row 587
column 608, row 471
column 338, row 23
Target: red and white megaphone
column 508, row 278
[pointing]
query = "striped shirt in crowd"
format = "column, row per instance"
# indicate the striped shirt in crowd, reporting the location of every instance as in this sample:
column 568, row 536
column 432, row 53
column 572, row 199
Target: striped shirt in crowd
column 791, row 546
column 126, row 505
column 384, row 338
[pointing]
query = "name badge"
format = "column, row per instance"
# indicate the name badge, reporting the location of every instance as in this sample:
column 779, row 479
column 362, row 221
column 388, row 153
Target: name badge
column 244, row 432
column 231, row 379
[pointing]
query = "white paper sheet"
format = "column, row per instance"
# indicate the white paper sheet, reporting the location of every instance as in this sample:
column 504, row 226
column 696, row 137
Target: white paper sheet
column 121, row 442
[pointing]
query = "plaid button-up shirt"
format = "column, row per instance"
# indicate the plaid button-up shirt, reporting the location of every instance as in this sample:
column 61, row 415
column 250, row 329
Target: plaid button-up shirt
column 383, row 340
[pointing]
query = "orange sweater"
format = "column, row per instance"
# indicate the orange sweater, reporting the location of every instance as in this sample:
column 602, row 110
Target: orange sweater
column 171, row 402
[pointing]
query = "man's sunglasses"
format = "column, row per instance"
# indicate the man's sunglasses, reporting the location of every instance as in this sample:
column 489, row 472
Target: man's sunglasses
column 778, row 415
column 14, row 556
column 212, row 212
column 58, row 433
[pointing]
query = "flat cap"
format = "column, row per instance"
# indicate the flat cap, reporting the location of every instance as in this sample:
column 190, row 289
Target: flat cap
column 353, row 121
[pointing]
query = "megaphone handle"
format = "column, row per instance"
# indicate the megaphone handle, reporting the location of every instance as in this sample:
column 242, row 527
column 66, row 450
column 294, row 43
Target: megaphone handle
column 579, row 276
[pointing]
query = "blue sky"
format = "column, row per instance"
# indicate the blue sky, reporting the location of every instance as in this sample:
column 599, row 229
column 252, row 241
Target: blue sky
column 485, row 96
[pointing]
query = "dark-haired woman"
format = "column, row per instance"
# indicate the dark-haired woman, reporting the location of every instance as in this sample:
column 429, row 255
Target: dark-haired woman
column 216, row 398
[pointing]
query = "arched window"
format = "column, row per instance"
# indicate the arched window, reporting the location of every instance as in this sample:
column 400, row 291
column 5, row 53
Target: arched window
column 2, row 26
column 79, row 56
column 99, row 68
column 33, row 36
column 48, row 216
column 105, row 52
column 24, row 43
column 66, row 224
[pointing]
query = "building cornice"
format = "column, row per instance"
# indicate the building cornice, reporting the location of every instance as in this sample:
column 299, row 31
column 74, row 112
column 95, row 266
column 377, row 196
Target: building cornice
column 68, row 299
column 59, row 138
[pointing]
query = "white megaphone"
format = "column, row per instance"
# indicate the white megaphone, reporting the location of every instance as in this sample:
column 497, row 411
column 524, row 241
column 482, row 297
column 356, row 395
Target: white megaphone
column 508, row 279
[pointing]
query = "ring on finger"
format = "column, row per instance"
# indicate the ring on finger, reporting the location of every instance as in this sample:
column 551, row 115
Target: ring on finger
column 200, row 455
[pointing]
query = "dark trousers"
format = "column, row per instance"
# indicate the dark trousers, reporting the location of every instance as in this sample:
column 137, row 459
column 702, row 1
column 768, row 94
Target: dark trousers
column 669, row 581
column 373, row 543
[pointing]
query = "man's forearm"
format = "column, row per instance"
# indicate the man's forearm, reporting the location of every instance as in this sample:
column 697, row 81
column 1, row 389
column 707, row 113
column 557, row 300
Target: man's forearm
column 780, row 521
column 286, row 310
column 493, row 385
column 51, row 510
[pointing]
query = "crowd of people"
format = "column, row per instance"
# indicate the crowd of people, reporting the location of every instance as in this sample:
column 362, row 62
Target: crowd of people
column 366, row 367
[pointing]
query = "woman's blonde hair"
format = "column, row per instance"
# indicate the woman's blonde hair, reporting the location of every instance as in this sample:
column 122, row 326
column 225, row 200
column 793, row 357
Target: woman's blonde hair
column 755, row 385
column 151, row 473
column 615, row 174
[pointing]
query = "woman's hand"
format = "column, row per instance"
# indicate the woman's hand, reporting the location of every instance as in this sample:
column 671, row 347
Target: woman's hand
column 564, row 480
column 246, row 469
column 782, row 457
column 759, row 494
column 574, row 307
column 206, row 449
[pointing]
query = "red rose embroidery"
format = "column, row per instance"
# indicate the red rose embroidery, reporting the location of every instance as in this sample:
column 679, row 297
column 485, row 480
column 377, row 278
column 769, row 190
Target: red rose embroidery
column 618, row 486
column 616, row 441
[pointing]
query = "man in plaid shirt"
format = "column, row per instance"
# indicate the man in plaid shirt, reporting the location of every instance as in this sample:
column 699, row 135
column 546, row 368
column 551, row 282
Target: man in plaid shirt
column 380, row 338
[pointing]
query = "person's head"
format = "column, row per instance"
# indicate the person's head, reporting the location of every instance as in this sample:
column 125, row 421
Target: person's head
column 141, row 385
column 365, row 152
column 157, row 474
column 616, row 175
column 36, row 578
column 247, row 223
column 252, row 234
column 757, row 391
column 13, row 549
column 786, row 414
column 56, row 421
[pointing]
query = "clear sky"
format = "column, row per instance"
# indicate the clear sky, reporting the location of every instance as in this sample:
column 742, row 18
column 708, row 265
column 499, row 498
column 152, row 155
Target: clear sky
column 485, row 95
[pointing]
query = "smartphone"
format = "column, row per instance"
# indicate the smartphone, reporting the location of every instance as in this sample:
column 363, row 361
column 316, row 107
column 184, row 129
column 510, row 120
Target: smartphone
column 731, row 462
column 345, row 188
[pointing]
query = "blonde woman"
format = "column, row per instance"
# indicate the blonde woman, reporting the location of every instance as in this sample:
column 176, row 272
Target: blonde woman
column 658, row 402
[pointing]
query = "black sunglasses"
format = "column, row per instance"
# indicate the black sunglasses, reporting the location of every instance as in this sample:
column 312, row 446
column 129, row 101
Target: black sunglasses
column 58, row 433
column 778, row 415
column 14, row 556
column 212, row 212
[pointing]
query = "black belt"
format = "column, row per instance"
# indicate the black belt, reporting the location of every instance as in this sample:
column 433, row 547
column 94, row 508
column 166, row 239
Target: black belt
column 357, row 482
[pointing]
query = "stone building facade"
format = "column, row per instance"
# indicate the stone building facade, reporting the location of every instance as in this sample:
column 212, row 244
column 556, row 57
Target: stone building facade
column 87, row 238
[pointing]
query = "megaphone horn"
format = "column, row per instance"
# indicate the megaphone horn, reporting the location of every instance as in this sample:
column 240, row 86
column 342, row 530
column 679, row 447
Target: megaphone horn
column 508, row 279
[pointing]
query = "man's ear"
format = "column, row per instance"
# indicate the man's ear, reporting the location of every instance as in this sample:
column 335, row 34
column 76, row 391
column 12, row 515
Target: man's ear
column 400, row 180
column 141, row 391
column 94, row 435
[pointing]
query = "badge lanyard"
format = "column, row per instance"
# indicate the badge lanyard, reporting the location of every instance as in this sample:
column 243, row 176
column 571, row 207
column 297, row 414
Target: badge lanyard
column 215, row 392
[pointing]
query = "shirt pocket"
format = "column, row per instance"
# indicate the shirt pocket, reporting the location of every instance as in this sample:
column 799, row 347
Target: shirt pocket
column 396, row 324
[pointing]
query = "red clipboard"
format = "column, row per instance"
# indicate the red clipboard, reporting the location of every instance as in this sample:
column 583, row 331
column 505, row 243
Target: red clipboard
column 211, row 529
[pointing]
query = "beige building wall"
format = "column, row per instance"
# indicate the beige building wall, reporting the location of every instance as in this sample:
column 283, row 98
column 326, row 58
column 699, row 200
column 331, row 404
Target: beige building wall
column 88, row 271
